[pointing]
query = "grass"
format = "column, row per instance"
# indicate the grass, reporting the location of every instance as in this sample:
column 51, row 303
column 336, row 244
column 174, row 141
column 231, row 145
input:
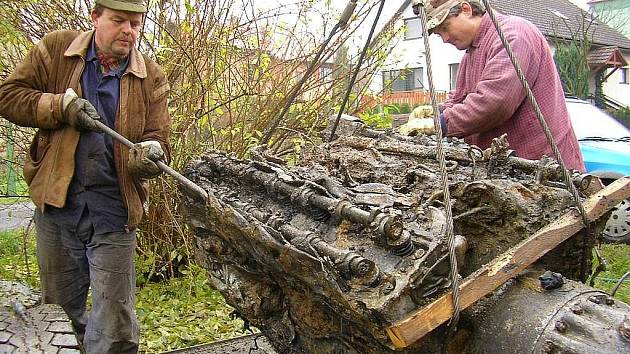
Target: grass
column 618, row 259
column 183, row 312
column 21, row 189
column 18, row 260
column 186, row 311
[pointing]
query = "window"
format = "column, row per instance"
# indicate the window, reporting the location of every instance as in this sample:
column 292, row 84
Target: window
column 413, row 28
column 452, row 69
column 325, row 73
column 404, row 80
column 623, row 76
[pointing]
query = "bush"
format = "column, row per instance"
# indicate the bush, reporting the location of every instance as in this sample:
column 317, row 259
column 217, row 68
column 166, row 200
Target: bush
column 623, row 116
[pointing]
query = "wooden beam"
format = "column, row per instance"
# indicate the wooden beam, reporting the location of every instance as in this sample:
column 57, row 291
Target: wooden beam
column 610, row 73
column 507, row 265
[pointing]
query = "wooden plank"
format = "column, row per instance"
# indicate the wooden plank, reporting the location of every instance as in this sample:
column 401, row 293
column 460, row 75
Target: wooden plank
column 506, row 266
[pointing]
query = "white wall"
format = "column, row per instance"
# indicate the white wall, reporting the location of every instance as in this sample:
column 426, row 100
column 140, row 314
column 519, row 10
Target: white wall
column 410, row 54
column 616, row 90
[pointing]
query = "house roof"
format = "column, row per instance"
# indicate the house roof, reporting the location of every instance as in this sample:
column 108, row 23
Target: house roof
column 606, row 56
column 550, row 17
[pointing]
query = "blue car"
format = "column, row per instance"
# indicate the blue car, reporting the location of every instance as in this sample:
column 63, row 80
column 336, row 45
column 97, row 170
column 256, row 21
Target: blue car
column 605, row 146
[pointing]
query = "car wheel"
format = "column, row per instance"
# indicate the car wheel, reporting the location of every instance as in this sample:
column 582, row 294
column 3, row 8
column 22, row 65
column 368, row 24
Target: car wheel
column 618, row 225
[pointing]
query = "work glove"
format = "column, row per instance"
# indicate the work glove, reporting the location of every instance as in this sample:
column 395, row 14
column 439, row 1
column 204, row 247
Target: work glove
column 421, row 126
column 420, row 121
column 142, row 157
column 79, row 113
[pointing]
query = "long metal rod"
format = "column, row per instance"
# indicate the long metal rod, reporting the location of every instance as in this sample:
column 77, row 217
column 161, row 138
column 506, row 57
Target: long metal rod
column 163, row 166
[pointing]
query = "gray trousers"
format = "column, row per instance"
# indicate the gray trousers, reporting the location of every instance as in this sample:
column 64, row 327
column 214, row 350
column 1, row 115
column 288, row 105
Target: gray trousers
column 70, row 262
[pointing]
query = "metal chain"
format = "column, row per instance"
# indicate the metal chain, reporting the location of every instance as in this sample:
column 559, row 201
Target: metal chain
column 441, row 156
column 550, row 140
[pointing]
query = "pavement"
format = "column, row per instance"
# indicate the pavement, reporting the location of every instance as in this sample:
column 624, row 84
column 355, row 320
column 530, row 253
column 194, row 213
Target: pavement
column 16, row 215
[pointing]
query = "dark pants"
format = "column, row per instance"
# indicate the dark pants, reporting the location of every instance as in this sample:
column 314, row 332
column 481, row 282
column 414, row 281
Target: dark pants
column 71, row 262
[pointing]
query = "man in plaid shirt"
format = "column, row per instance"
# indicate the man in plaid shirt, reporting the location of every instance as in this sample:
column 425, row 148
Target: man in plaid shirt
column 489, row 99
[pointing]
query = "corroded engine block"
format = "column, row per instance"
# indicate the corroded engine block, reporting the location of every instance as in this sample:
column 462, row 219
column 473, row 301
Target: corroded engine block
column 324, row 255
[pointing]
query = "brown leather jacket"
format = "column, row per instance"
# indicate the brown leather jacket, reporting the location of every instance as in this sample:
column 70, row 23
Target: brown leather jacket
column 32, row 97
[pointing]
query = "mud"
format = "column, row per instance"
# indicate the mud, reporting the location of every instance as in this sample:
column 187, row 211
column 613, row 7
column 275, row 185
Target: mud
column 324, row 255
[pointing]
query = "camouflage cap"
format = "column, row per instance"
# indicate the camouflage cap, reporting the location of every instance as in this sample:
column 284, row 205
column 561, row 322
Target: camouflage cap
column 437, row 12
column 124, row 5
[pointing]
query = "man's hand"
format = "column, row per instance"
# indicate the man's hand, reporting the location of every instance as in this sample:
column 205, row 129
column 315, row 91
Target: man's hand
column 420, row 122
column 142, row 159
column 79, row 113
column 421, row 126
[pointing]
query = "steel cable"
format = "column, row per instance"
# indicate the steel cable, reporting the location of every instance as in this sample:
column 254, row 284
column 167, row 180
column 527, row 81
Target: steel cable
column 441, row 156
column 343, row 22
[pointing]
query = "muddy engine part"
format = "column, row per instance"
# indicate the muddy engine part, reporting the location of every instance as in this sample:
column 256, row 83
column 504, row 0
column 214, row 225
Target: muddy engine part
column 323, row 256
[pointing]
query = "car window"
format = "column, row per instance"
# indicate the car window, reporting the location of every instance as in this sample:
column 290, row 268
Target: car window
column 590, row 121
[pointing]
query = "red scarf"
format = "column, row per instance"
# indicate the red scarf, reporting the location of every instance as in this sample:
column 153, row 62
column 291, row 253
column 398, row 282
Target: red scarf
column 108, row 63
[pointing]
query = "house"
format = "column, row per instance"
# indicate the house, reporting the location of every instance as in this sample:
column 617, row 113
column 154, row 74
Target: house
column 404, row 74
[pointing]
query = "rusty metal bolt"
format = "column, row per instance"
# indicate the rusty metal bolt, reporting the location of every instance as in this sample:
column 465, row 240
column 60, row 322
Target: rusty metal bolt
column 624, row 328
column 387, row 288
column 577, row 309
column 561, row 326
column 418, row 254
column 548, row 347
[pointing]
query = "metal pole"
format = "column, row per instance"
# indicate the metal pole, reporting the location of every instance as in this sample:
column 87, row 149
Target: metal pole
column 163, row 166
column 11, row 175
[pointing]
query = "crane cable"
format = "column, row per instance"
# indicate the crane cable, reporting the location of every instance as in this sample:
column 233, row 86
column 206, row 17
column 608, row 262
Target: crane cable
column 419, row 9
column 341, row 24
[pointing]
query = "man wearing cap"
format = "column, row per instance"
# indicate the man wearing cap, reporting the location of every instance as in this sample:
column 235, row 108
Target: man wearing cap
column 489, row 99
column 88, row 189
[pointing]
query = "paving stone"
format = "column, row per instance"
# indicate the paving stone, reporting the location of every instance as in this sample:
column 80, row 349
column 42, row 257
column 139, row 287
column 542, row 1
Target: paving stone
column 50, row 308
column 45, row 329
column 17, row 341
column 7, row 349
column 65, row 340
column 4, row 336
column 54, row 317
column 60, row 327
column 47, row 337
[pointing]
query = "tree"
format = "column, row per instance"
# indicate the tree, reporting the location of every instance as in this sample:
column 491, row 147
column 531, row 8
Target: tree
column 615, row 14
column 571, row 55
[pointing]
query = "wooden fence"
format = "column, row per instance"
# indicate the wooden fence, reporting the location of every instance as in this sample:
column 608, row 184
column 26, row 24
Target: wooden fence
column 410, row 98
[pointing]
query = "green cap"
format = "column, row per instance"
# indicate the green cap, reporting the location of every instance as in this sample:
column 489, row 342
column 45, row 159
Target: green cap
column 124, row 5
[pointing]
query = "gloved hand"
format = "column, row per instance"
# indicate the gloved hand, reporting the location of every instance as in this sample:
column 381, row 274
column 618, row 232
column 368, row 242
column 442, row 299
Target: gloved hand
column 420, row 122
column 79, row 113
column 142, row 157
column 422, row 126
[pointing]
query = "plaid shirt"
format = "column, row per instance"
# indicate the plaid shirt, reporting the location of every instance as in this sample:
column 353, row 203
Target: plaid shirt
column 489, row 99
